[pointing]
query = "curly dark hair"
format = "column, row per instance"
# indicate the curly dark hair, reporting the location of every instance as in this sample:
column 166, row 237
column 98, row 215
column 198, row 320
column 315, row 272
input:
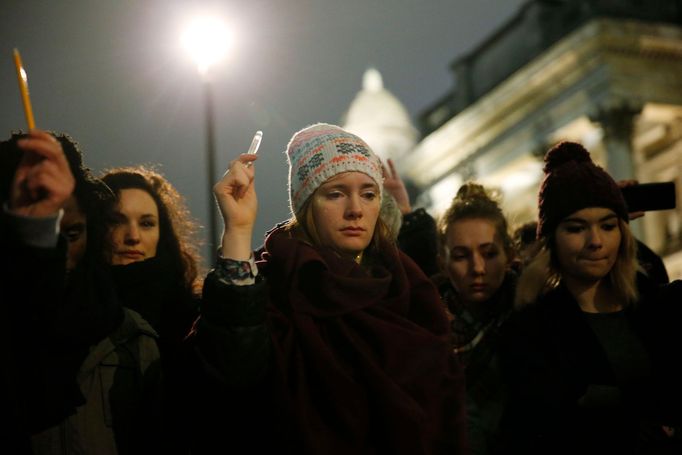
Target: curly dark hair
column 177, row 228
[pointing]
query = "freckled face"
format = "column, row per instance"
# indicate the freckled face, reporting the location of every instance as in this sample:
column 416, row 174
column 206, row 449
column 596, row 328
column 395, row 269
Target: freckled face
column 345, row 210
column 587, row 243
column 474, row 259
column 135, row 229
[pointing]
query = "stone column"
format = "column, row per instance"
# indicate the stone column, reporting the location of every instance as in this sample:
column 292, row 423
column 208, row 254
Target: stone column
column 617, row 124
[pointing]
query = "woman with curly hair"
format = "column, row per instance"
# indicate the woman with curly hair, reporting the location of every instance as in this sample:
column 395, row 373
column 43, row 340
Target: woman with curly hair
column 152, row 251
column 155, row 266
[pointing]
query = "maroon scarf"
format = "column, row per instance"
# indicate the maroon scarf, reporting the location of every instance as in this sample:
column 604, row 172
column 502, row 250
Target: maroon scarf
column 363, row 363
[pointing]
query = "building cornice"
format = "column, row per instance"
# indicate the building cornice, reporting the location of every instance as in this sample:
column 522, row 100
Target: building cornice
column 604, row 64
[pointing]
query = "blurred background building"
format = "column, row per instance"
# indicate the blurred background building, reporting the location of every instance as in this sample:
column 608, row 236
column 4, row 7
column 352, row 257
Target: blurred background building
column 605, row 73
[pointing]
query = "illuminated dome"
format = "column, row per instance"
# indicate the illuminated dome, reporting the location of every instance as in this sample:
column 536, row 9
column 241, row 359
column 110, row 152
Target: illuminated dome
column 380, row 119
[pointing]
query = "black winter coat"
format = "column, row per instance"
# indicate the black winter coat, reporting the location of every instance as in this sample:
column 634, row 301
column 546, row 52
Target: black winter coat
column 551, row 357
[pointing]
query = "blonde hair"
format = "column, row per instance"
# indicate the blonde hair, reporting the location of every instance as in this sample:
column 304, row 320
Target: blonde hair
column 391, row 215
column 543, row 273
column 623, row 275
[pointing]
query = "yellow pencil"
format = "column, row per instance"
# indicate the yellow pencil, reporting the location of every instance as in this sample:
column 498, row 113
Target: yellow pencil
column 23, row 88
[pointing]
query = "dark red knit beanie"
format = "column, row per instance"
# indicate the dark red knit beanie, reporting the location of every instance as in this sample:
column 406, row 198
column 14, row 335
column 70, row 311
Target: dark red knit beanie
column 573, row 182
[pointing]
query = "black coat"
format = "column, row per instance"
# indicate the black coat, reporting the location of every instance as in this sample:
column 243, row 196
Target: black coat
column 29, row 402
column 48, row 324
column 550, row 357
column 418, row 239
column 155, row 289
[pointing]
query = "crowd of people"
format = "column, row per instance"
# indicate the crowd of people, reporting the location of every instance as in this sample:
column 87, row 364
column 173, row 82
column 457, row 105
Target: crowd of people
column 360, row 326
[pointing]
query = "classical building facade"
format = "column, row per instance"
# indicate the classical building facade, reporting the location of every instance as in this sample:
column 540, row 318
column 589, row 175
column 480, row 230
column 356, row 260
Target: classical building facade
column 604, row 73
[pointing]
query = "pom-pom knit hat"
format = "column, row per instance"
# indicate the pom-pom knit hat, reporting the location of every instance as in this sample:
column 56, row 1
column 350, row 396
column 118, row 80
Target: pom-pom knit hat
column 573, row 182
column 321, row 151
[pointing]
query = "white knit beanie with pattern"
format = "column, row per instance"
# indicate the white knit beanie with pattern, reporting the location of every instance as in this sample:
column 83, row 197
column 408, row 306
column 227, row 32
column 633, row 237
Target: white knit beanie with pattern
column 321, row 151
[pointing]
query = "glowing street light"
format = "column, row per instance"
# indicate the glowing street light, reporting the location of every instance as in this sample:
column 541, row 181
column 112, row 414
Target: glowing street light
column 207, row 40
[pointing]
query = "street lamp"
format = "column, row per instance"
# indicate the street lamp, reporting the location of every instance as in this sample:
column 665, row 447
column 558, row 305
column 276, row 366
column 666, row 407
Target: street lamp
column 207, row 40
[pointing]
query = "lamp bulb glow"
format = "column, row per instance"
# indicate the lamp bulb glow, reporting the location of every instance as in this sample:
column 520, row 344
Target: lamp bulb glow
column 207, row 40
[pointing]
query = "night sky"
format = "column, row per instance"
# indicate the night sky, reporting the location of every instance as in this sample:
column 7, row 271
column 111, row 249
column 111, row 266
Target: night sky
column 114, row 76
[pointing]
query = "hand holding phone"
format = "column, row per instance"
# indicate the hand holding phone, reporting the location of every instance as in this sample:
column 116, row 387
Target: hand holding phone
column 650, row 196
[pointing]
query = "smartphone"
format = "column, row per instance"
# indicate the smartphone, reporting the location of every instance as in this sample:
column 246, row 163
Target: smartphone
column 255, row 143
column 650, row 196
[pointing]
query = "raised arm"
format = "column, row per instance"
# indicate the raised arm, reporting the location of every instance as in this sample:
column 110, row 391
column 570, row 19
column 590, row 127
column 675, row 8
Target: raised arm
column 231, row 338
column 236, row 197
column 42, row 181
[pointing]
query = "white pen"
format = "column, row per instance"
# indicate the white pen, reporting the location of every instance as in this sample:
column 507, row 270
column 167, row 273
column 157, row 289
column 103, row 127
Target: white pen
column 255, row 143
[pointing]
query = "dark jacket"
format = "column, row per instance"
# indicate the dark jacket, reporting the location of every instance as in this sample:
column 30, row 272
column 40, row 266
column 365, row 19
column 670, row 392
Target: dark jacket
column 31, row 398
column 475, row 340
column 53, row 320
column 226, row 374
column 418, row 239
column 119, row 380
column 156, row 290
column 652, row 264
column 554, row 366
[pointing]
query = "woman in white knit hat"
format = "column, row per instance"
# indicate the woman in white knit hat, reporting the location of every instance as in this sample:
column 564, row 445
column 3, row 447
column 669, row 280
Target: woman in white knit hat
column 331, row 340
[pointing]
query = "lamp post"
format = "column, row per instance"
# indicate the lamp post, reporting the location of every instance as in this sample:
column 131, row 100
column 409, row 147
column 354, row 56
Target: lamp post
column 210, row 163
column 207, row 40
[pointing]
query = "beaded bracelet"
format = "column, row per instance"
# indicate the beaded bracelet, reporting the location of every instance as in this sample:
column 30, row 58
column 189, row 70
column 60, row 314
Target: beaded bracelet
column 235, row 270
